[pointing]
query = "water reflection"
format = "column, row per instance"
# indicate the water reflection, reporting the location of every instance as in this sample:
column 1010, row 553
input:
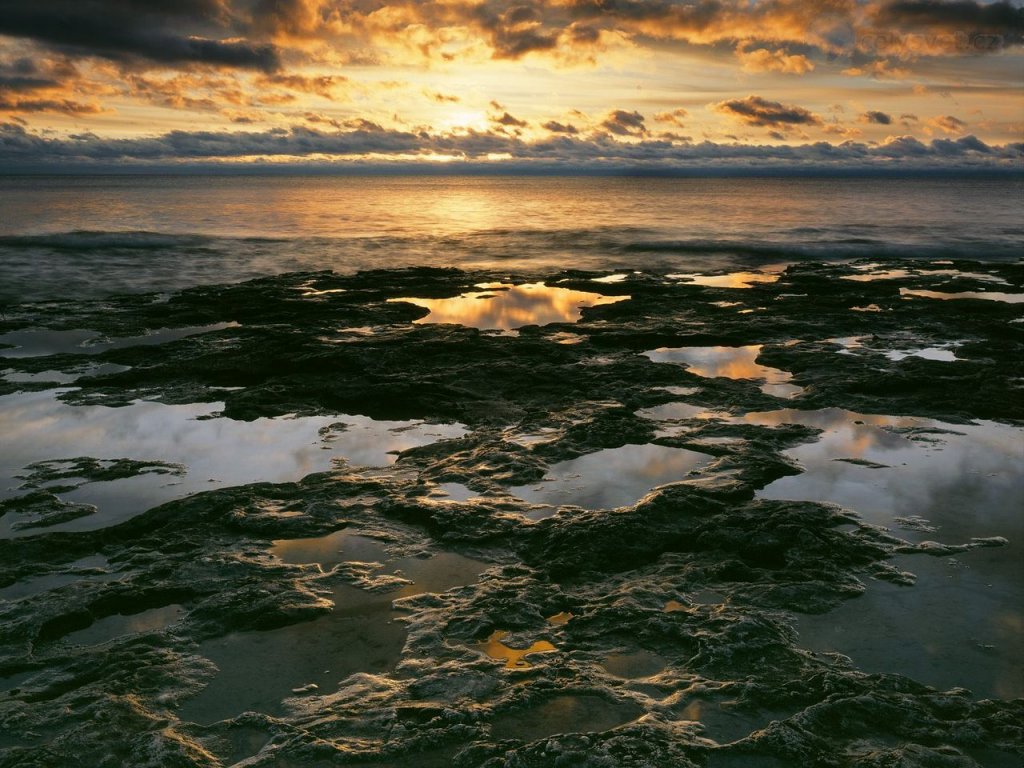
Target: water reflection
column 635, row 665
column 258, row 670
column 41, row 342
column 84, row 568
column 732, row 279
column 111, row 627
column 904, row 466
column 730, row 363
column 871, row 273
column 667, row 411
column 1008, row 298
column 501, row 306
column 216, row 451
column 514, row 658
column 942, row 353
column 613, row 477
column 953, row 628
column 933, row 480
column 567, row 713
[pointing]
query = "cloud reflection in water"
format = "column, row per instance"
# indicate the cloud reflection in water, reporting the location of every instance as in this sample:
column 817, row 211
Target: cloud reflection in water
column 501, row 306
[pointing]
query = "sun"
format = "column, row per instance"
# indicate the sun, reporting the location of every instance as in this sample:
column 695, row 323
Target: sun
column 464, row 119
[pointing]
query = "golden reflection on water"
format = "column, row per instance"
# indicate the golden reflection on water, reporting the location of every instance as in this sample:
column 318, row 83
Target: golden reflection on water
column 560, row 618
column 692, row 711
column 731, row 280
column 515, row 658
column 501, row 306
column 730, row 363
column 1008, row 298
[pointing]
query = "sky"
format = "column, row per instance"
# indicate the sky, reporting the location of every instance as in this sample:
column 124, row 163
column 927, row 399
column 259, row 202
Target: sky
column 556, row 85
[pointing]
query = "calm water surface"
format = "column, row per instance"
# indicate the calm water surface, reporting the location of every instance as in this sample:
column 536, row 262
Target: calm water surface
column 64, row 236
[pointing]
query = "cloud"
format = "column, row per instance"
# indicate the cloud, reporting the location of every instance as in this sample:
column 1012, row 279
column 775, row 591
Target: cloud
column 878, row 118
column 444, row 98
column 1000, row 16
column 370, row 143
column 756, row 111
column 510, row 121
column 947, row 124
column 325, row 86
column 675, row 117
column 623, row 123
column 556, row 127
column 934, row 28
column 764, row 60
column 169, row 33
column 43, row 85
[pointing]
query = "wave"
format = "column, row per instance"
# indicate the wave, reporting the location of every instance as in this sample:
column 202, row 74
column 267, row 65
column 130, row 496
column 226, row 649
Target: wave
column 131, row 240
column 87, row 263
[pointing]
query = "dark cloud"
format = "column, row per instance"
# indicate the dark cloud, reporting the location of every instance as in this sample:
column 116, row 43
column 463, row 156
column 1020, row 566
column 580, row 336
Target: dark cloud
column 556, row 127
column 754, row 110
column 623, row 123
column 20, row 148
column 28, row 85
column 879, row 118
column 959, row 15
column 171, row 33
column 66, row 106
column 510, row 121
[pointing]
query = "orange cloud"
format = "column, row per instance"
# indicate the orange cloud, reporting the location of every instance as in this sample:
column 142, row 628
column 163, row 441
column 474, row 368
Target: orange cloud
column 764, row 60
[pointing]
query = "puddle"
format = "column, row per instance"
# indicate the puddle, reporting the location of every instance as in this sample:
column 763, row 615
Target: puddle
column 437, row 573
column 569, row 713
column 887, row 274
column 953, row 628
column 614, row 477
column 1008, row 298
column 514, row 658
column 676, row 411
column 240, row 742
column 111, row 627
column 943, row 353
column 502, row 306
column 731, row 280
column 939, row 354
column 871, row 273
column 457, row 492
column 37, row 584
column 929, row 480
column 257, row 670
column 632, row 666
column 216, row 451
column 730, row 363
column 39, row 343
column 964, row 478
column 63, row 377
column 724, row 723
column 13, row 682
